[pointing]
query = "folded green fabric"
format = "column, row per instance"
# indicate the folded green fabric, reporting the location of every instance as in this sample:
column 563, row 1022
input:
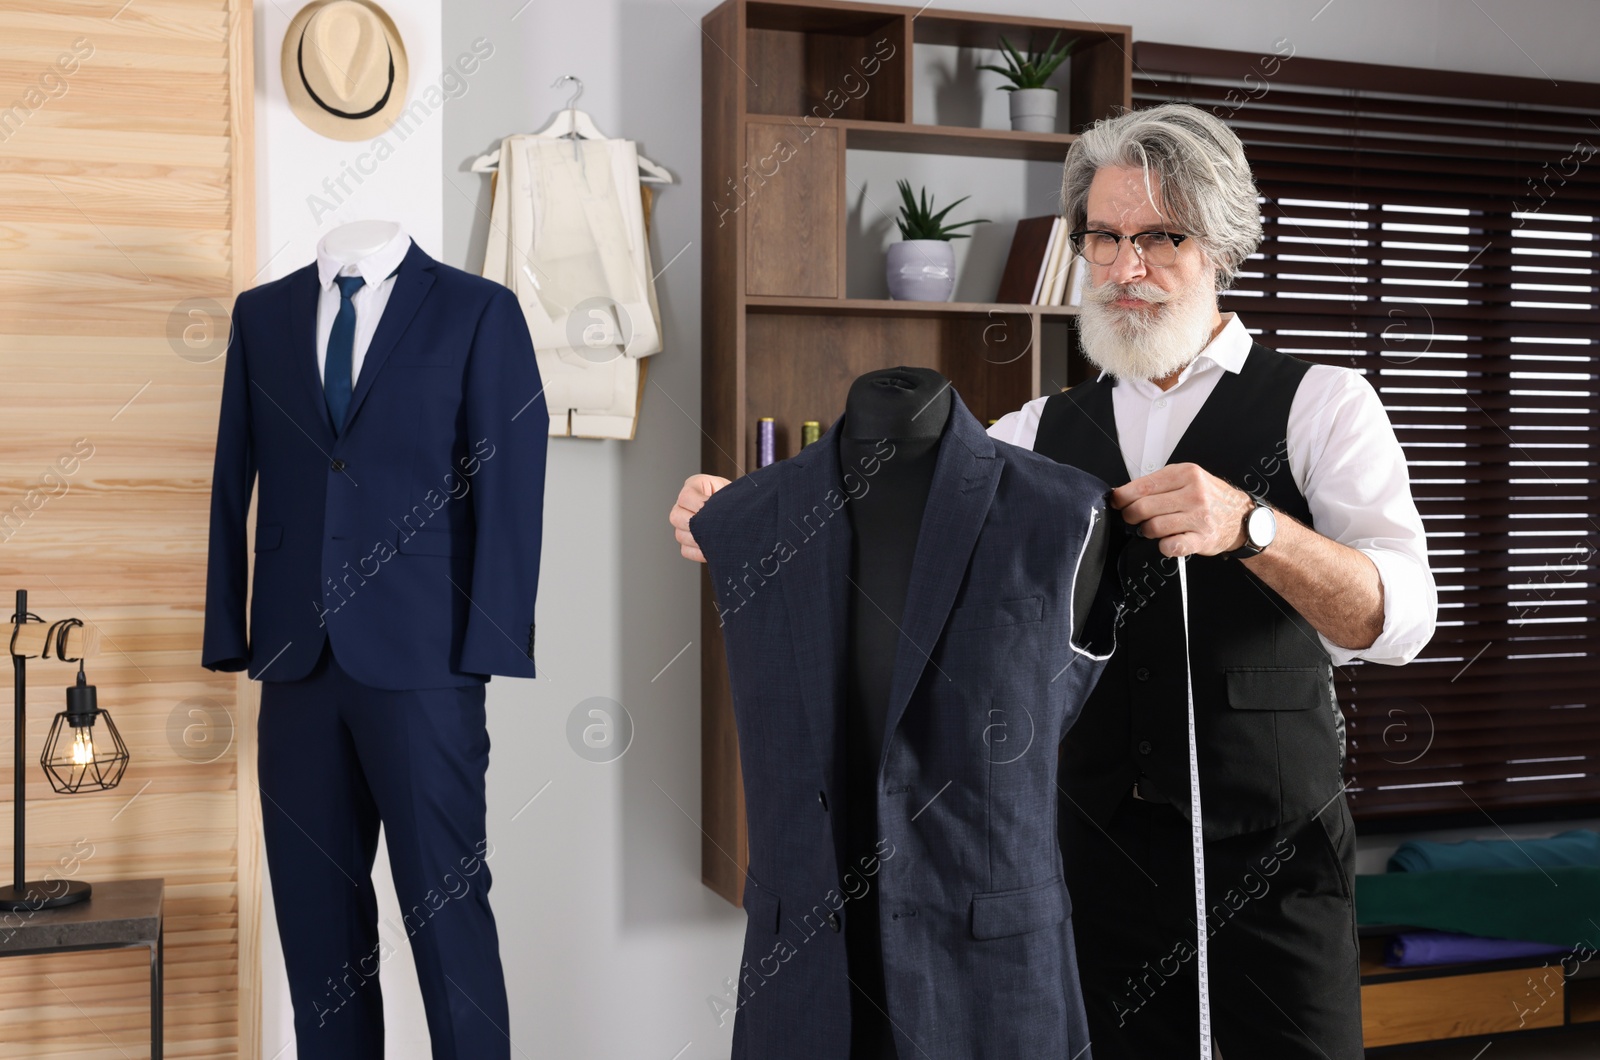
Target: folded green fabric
column 1577, row 847
column 1559, row 904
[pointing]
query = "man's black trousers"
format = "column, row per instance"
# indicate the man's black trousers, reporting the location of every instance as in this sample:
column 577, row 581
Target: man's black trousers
column 1284, row 969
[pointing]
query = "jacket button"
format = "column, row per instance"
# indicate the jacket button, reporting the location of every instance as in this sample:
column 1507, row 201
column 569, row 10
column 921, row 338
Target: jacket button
column 1144, row 747
column 337, row 465
column 833, row 921
column 1142, row 674
column 822, row 797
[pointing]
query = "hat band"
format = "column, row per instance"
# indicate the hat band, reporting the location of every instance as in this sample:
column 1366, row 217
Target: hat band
column 299, row 59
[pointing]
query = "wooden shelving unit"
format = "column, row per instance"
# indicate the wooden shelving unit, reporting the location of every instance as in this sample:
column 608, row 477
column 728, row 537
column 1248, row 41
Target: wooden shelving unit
column 788, row 88
column 1520, row 996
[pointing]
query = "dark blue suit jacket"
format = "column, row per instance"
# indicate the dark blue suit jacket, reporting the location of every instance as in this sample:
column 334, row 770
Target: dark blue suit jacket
column 976, row 930
column 411, row 539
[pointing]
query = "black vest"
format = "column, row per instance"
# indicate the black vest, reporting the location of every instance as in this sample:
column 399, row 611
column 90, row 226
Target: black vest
column 1268, row 750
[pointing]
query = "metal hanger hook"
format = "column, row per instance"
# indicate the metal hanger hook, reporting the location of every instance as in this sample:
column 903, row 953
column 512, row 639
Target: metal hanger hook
column 571, row 114
column 576, row 92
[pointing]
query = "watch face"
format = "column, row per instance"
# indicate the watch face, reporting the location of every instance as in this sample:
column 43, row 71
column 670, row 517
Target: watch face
column 1261, row 527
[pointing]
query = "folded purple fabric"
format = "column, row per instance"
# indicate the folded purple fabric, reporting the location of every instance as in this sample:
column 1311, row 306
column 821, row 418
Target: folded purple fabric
column 1412, row 949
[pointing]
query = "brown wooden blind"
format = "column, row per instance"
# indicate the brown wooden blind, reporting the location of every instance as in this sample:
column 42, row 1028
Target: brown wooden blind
column 1440, row 233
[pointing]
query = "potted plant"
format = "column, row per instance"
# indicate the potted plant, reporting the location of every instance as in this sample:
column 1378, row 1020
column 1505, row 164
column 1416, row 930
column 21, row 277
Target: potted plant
column 1033, row 106
column 922, row 266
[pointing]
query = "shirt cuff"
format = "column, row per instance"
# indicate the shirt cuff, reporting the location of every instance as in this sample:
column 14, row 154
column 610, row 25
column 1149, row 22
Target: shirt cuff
column 1410, row 610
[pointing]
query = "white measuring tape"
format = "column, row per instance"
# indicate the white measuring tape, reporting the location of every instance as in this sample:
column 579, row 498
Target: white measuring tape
column 1196, row 833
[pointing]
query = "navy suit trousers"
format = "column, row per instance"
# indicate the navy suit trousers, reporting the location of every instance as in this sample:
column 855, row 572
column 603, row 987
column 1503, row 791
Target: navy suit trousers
column 336, row 758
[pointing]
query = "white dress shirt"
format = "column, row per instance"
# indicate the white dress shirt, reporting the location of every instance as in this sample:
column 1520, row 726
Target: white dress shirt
column 369, row 299
column 1343, row 456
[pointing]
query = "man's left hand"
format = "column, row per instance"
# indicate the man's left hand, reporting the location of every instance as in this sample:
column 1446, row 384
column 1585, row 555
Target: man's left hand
column 1190, row 510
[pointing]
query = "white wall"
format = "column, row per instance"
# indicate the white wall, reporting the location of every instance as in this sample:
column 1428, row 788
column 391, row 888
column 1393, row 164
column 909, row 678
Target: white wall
column 611, row 944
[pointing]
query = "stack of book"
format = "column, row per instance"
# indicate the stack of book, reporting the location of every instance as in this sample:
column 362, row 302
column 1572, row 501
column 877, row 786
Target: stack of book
column 1042, row 269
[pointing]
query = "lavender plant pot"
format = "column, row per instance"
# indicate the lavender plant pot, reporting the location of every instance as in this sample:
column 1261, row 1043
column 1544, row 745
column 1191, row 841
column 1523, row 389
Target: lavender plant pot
column 921, row 270
column 1033, row 110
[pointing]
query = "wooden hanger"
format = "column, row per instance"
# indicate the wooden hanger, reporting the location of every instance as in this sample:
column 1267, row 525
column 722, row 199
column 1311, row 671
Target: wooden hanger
column 577, row 125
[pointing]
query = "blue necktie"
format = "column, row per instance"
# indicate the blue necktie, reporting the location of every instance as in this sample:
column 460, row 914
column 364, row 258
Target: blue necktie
column 336, row 377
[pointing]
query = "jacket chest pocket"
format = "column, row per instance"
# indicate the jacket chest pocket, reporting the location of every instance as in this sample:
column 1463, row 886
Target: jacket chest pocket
column 1276, row 687
column 995, row 614
column 987, row 652
column 979, row 646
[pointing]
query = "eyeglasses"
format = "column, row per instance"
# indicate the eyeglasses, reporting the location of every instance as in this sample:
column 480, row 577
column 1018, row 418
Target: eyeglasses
column 1101, row 248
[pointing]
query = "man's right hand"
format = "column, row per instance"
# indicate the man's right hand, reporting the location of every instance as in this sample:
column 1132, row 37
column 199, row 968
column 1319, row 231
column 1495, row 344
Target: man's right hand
column 696, row 488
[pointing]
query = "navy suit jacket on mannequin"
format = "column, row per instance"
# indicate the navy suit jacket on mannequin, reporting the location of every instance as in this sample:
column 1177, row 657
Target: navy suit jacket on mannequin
column 411, row 538
column 975, row 919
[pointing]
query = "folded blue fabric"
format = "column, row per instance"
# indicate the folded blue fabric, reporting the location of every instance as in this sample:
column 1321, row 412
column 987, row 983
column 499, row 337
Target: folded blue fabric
column 1579, row 848
column 1412, row 949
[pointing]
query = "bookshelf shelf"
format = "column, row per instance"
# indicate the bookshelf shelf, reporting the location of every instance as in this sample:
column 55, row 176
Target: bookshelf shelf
column 891, row 308
column 787, row 89
column 955, row 140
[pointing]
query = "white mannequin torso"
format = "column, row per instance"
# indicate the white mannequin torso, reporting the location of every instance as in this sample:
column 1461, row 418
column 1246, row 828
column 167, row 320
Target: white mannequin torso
column 351, row 242
column 373, row 250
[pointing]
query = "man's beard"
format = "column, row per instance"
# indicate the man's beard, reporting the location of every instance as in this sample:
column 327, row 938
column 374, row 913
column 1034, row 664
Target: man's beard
column 1151, row 342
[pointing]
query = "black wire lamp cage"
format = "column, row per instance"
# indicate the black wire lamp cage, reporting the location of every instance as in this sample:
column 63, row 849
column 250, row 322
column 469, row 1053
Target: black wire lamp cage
column 77, row 757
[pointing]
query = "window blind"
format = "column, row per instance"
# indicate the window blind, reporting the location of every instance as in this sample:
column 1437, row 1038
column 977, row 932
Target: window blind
column 1439, row 232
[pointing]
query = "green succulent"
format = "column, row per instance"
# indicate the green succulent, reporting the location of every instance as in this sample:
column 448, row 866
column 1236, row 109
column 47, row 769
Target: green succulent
column 1034, row 70
column 918, row 221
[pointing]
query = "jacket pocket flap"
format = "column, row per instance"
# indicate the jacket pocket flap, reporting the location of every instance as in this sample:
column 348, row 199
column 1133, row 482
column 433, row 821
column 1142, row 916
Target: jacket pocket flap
column 996, row 613
column 268, row 536
column 426, row 542
column 1001, row 913
column 761, row 906
column 1277, row 687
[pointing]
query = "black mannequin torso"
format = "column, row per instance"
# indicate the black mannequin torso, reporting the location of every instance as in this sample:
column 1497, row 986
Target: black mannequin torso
column 889, row 443
column 890, row 440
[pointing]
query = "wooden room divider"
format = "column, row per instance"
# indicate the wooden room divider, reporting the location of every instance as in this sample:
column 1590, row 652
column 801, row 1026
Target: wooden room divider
column 126, row 228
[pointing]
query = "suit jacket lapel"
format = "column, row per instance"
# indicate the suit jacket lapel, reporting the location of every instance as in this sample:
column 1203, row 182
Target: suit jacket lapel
column 814, row 584
column 303, row 292
column 416, row 276
column 965, row 476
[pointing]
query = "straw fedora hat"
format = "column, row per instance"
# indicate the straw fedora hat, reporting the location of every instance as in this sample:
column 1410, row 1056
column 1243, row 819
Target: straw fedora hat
column 344, row 68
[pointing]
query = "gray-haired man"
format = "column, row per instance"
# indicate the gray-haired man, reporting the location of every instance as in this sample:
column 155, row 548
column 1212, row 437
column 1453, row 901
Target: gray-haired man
column 1285, row 483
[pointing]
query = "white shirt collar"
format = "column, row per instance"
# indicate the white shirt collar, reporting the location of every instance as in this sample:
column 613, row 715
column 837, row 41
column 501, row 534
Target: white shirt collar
column 1227, row 351
column 374, row 268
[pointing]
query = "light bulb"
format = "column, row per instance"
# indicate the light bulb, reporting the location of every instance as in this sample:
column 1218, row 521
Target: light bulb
column 82, row 747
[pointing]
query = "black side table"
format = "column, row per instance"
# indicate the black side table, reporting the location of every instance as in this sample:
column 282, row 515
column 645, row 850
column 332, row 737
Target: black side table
column 119, row 914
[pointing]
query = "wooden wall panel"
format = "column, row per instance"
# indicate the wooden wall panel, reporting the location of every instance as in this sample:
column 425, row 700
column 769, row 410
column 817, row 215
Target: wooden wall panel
column 126, row 217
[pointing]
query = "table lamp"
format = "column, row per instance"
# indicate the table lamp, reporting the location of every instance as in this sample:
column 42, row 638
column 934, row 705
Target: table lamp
column 73, row 759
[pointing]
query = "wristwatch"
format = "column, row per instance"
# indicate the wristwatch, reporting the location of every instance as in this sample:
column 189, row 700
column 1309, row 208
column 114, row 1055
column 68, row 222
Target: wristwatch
column 1260, row 527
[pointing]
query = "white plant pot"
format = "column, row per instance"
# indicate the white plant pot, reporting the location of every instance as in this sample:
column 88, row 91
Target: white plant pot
column 1033, row 110
column 921, row 270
